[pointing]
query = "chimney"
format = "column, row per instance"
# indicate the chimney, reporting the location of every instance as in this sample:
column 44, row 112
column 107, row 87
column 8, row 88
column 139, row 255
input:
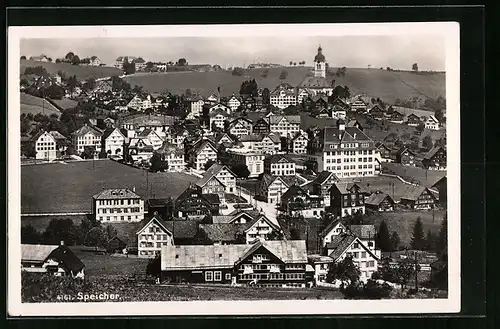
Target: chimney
column 62, row 242
column 133, row 189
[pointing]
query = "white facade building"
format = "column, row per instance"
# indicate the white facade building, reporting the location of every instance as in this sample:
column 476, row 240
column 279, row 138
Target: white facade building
column 117, row 205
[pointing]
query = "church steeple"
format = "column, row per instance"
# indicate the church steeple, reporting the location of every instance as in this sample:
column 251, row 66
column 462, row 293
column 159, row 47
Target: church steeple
column 319, row 64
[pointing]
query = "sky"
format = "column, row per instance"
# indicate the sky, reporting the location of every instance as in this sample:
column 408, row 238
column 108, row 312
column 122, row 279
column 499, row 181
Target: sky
column 397, row 52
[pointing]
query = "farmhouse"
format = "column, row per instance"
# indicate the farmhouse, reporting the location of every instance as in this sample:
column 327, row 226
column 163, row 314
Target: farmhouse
column 405, row 156
column 321, row 265
column 431, row 123
column 435, row 159
column 296, row 200
column 139, row 149
column 152, row 236
column 193, row 204
column 173, row 155
column 366, row 234
column 122, row 59
column 202, row 152
column 87, row 136
column 385, row 153
column 299, row 143
column 215, row 119
column 240, row 126
column 284, row 125
column 441, row 186
column 45, row 146
column 55, row 259
column 266, row 263
column 331, row 231
column 396, row 117
column 358, row 105
column 283, row 96
column 233, row 103
column 379, row 201
column 117, row 205
column 271, row 188
column 377, row 112
column 349, row 245
column 152, row 136
column 347, row 199
column 418, row 198
column 412, row 120
column 261, row 126
column 321, row 185
column 221, row 173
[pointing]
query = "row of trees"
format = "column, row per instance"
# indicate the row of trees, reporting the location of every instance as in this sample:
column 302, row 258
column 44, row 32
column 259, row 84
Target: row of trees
column 89, row 233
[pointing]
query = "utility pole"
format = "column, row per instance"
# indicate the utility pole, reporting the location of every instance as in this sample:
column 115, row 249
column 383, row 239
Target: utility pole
column 416, row 271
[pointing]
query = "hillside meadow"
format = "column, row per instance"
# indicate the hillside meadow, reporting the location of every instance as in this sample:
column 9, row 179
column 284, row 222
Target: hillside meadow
column 68, row 187
column 387, row 85
column 34, row 105
column 81, row 72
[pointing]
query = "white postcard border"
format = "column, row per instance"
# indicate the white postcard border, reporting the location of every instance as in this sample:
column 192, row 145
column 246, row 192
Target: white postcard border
column 448, row 30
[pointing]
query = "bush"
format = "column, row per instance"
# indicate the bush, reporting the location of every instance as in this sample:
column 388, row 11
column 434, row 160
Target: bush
column 238, row 71
column 370, row 290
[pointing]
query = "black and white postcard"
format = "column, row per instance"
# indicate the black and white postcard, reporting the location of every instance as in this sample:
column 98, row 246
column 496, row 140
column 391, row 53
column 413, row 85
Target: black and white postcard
column 234, row 169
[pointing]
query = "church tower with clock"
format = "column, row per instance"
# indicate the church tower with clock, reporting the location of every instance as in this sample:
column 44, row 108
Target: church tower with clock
column 319, row 64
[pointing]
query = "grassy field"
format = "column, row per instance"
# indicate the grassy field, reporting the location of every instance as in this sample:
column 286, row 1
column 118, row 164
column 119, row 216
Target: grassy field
column 403, row 222
column 69, row 187
column 374, row 83
column 420, row 175
column 81, row 72
column 390, row 185
column 34, row 105
column 40, row 223
column 65, row 103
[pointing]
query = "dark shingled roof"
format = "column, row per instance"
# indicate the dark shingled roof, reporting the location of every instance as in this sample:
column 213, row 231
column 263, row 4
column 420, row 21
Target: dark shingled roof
column 224, row 232
column 432, row 152
column 376, row 198
column 413, row 192
column 118, row 193
column 40, row 253
column 363, row 231
column 323, row 176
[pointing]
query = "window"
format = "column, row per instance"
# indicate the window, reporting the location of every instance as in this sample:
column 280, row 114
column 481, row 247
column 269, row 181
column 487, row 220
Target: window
column 355, row 245
column 228, row 276
column 356, row 254
column 209, row 276
column 363, row 254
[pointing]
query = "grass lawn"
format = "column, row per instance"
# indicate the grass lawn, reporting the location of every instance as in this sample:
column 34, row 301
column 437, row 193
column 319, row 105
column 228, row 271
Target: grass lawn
column 81, row 72
column 69, row 187
column 408, row 173
column 390, row 185
column 65, row 103
column 34, row 105
column 40, row 223
column 371, row 82
column 403, row 222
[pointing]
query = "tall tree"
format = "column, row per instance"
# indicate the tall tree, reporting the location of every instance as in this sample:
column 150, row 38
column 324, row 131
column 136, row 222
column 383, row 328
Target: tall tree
column 60, row 230
column 29, row 235
column 430, row 241
column 427, row 142
column 442, row 239
column 96, row 237
column 382, row 238
column 75, row 60
column 395, row 241
column 418, row 239
column 69, row 56
column 414, row 67
column 240, row 170
column 182, row 62
column 344, row 271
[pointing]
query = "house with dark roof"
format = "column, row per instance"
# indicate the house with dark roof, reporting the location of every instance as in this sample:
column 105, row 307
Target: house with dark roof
column 279, row 165
column 261, row 126
column 263, row 263
column 435, row 159
column 366, row 233
column 355, row 123
column 413, row 120
column 418, row 198
column 117, row 205
column 406, row 157
column 321, row 185
column 299, row 143
column 55, row 259
column 396, row 117
column 113, row 141
column 221, row 173
column 376, row 112
column 240, row 126
column 332, row 230
column 385, row 152
column 201, row 153
column 379, row 201
column 193, row 204
column 296, row 200
column 139, row 149
column 347, row 198
column 349, row 245
column 441, row 186
column 271, row 188
column 284, row 125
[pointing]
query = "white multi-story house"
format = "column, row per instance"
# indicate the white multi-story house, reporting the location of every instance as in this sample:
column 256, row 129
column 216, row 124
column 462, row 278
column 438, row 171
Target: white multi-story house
column 118, row 205
column 113, row 141
column 153, row 137
column 209, row 108
column 45, row 146
column 299, row 143
column 121, row 60
column 201, row 153
column 87, row 136
column 195, row 104
column 432, row 123
column 240, row 126
column 279, row 165
column 349, row 245
column 271, row 188
column 174, row 156
column 140, row 149
column 234, row 103
column 331, row 231
column 223, row 174
column 338, row 113
column 347, row 152
column 151, row 237
column 283, row 96
column 253, row 161
column 140, row 64
column 270, row 144
column 217, row 118
column 140, row 103
column 284, row 125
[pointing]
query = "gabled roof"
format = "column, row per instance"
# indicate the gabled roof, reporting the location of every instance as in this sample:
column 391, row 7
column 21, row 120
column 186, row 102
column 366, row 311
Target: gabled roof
column 218, row 111
column 403, row 149
column 293, row 119
column 224, row 232
column 345, row 187
column 205, row 179
column 86, row 129
column 363, row 231
column 413, row 192
column 432, row 152
column 331, row 226
column 299, row 135
column 288, row 251
column 157, row 220
column 39, row 134
column 278, row 158
column 167, row 148
column 342, row 242
column 293, row 191
column 212, row 172
column 273, row 137
column 324, row 176
column 39, row 253
column 202, row 144
column 315, row 82
column 57, row 135
column 376, row 198
column 251, row 138
column 135, row 143
column 117, row 193
column 109, row 131
column 182, row 229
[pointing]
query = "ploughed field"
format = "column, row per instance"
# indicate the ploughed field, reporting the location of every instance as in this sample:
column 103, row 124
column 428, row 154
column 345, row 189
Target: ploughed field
column 62, row 188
